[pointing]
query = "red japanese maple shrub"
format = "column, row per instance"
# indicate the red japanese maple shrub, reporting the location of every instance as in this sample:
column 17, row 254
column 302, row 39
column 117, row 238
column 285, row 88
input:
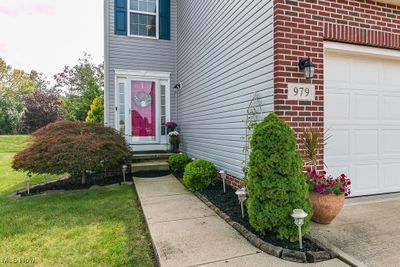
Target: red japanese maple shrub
column 73, row 147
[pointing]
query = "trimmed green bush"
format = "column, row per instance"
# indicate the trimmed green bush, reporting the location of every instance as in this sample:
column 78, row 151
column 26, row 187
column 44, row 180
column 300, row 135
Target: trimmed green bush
column 276, row 181
column 178, row 162
column 199, row 175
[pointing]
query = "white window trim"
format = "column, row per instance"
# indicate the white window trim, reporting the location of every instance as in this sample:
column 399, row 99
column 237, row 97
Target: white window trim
column 144, row 13
column 159, row 77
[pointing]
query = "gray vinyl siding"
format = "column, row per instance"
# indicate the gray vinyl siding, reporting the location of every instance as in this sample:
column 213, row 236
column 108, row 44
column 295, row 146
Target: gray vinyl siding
column 135, row 53
column 224, row 56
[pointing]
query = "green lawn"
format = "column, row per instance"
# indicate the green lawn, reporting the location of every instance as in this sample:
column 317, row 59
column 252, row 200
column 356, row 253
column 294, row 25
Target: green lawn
column 100, row 227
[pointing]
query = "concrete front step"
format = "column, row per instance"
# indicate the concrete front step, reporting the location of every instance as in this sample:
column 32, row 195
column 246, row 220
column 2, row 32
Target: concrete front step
column 150, row 166
column 137, row 157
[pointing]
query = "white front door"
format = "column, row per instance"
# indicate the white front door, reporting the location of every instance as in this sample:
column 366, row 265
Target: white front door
column 143, row 110
column 362, row 113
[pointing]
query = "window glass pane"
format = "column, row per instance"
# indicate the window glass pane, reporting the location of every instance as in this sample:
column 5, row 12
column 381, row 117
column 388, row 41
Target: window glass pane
column 163, row 111
column 142, row 30
column 152, row 31
column 134, row 18
column 121, row 107
column 143, row 6
column 143, row 19
column 151, row 6
column 135, row 29
column 134, row 21
column 143, row 25
column 134, row 4
column 151, row 20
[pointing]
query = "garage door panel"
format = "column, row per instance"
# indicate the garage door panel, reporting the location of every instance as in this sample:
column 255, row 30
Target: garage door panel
column 391, row 142
column 336, row 170
column 390, row 74
column 366, row 142
column 391, row 107
column 338, row 107
column 363, row 74
column 367, row 176
column 340, row 67
column 362, row 113
column 391, row 174
column 365, row 107
column 338, row 145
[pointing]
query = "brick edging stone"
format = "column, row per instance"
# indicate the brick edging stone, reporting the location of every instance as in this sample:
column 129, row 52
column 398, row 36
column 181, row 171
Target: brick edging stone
column 285, row 254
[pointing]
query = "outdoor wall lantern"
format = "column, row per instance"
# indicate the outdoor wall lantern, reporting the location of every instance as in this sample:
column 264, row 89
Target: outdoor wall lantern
column 308, row 67
column 298, row 216
column 177, row 88
column 242, row 196
column 28, row 180
column 124, row 169
column 223, row 177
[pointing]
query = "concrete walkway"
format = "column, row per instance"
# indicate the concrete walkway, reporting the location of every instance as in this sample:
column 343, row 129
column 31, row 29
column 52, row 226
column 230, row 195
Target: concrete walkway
column 367, row 230
column 185, row 232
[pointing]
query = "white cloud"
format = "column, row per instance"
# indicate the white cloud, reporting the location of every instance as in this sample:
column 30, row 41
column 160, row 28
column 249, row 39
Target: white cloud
column 45, row 35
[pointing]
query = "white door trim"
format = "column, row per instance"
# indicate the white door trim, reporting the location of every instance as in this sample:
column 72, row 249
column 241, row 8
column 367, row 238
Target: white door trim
column 363, row 50
column 143, row 74
column 160, row 78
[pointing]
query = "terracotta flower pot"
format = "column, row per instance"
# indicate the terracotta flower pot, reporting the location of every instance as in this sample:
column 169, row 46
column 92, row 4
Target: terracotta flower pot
column 326, row 207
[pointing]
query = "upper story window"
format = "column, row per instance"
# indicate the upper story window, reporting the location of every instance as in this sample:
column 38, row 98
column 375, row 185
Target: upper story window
column 143, row 18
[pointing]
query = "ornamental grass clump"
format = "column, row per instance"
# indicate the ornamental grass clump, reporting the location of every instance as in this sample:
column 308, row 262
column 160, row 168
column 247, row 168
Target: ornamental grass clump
column 276, row 182
column 73, row 147
column 199, row 175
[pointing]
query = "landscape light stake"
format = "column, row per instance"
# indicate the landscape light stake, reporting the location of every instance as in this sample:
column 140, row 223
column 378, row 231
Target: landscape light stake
column 242, row 196
column 298, row 216
column 223, row 177
column 124, row 169
column 28, row 179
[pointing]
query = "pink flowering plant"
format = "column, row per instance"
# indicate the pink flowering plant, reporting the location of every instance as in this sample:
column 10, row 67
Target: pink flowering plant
column 171, row 126
column 323, row 184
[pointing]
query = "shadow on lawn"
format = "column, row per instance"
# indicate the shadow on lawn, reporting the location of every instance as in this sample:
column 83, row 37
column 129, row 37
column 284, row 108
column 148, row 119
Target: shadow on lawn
column 111, row 211
column 65, row 209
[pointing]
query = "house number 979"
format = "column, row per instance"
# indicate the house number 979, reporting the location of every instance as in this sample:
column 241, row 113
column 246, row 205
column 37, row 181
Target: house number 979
column 301, row 91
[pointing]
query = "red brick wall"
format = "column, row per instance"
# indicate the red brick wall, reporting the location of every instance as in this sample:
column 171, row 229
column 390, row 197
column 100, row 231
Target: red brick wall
column 301, row 26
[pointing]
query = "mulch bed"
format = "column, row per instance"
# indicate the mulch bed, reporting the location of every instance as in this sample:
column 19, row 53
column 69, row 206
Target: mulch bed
column 74, row 183
column 229, row 204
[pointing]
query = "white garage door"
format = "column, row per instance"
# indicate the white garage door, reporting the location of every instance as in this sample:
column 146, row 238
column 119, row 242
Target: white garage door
column 362, row 113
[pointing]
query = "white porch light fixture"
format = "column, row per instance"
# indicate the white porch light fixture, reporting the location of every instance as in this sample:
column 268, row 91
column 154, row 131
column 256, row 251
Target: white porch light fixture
column 242, row 196
column 298, row 215
column 28, row 180
column 308, row 67
column 222, row 174
column 124, row 169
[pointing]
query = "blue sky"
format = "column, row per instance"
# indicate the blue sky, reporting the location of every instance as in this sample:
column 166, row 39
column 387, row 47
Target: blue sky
column 45, row 35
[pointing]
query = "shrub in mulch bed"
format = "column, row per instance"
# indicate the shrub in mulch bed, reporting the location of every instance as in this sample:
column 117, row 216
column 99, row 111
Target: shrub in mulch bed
column 74, row 183
column 228, row 208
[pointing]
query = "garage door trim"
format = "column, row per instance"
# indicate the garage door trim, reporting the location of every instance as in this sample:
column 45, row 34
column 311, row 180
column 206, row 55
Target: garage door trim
column 361, row 50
